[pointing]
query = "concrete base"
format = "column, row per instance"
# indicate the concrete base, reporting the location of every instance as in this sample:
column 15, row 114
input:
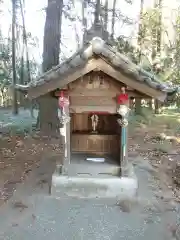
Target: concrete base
column 91, row 187
column 81, row 167
column 92, row 170
column 88, row 179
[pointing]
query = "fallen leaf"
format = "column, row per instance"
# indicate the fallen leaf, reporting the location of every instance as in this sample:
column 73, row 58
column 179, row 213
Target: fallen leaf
column 20, row 205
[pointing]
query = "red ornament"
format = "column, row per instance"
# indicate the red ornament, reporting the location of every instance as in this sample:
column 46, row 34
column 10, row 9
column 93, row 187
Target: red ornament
column 122, row 98
column 63, row 101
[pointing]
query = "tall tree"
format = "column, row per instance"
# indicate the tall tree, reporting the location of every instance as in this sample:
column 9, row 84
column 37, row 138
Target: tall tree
column 159, row 28
column 156, row 51
column 15, row 103
column 150, row 40
column 138, row 108
column 140, row 32
column 157, row 31
column 24, row 76
column 84, row 18
column 106, row 15
column 48, row 121
column 5, row 66
column 113, row 17
column 97, row 12
column 25, row 43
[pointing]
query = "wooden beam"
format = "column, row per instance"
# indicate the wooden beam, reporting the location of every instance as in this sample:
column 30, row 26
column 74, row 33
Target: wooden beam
column 104, row 93
column 68, row 139
column 63, row 80
column 139, row 86
column 85, row 109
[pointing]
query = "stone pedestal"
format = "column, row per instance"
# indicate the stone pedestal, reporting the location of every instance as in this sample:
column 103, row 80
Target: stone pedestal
column 96, row 187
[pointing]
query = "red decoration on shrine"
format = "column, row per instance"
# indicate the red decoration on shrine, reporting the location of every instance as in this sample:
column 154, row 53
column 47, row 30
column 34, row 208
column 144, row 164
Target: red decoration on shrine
column 62, row 101
column 122, row 98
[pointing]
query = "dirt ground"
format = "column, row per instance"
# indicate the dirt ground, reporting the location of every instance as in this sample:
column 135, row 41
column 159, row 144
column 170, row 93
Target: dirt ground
column 18, row 156
column 163, row 154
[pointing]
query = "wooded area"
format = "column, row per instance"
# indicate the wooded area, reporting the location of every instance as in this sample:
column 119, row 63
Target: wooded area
column 154, row 50
column 61, row 112
column 150, row 48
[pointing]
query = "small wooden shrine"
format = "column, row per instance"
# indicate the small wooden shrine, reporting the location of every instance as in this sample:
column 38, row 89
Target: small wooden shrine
column 93, row 89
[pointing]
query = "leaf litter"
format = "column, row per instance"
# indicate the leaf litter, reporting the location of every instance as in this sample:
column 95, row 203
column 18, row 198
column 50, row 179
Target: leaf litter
column 162, row 152
column 18, row 156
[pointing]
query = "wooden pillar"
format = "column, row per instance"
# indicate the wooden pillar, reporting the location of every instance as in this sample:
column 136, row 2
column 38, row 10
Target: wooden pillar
column 124, row 149
column 123, row 111
column 67, row 157
column 60, row 161
column 65, row 121
column 123, row 122
column 123, row 143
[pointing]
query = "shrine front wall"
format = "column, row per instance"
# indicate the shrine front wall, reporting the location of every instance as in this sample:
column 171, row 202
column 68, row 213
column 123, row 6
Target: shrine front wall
column 95, row 91
column 97, row 144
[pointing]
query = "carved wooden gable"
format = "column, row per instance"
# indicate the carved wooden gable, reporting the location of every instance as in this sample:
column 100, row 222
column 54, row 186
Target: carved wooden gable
column 95, row 91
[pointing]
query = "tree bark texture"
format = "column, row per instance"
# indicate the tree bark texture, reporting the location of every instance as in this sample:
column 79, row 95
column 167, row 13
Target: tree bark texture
column 113, row 18
column 48, row 121
column 138, row 108
column 106, row 15
column 140, row 32
column 14, row 92
column 84, row 19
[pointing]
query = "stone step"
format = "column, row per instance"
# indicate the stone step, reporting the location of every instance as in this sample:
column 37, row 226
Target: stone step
column 93, row 169
column 90, row 187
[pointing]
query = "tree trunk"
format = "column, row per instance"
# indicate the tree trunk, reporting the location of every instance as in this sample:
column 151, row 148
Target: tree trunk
column 106, row 16
column 159, row 29
column 150, row 104
column 157, row 107
column 49, row 126
column 138, row 108
column 113, row 17
column 157, row 48
column 48, row 121
column 97, row 12
column 21, row 96
column 52, row 34
column 84, row 19
column 25, row 47
column 157, row 32
column 140, row 33
column 15, row 100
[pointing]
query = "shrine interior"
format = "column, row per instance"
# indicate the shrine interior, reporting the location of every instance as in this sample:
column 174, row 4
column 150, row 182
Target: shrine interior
column 101, row 142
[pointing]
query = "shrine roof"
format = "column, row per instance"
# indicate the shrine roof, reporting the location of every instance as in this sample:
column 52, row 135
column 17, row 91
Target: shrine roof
column 106, row 50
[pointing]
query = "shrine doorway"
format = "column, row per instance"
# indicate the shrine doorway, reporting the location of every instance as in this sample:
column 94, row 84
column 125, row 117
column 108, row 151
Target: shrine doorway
column 102, row 142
